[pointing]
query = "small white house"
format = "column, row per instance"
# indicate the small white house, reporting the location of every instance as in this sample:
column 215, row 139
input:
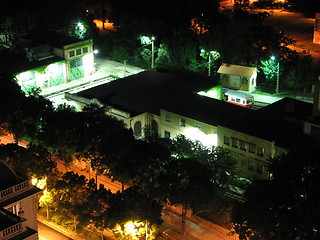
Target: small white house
column 238, row 77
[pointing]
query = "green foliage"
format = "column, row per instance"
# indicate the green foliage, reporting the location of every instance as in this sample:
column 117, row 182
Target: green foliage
column 286, row 206
column 193, row 175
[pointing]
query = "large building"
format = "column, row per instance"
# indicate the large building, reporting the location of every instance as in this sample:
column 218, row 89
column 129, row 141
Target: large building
column 18, row 207
column 168, row 102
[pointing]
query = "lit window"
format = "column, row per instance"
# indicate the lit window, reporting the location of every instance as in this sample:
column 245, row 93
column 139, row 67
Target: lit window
column 252, row 148
column 167, row 117
column 260, row 151
column 71, row 53
column 78, row 51
column 226, row 140
column 182, row 122
column 85, row 50
column 76, row 63
column 166, row 134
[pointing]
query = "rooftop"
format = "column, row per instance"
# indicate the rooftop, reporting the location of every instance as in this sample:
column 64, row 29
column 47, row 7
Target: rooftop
column 237, row 70
column 54, row 39
column 206, row 110
column 149, row 90
column 22, row 63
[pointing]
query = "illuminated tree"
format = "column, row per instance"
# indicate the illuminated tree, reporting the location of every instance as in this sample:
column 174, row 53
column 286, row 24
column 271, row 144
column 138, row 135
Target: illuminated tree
column 131, row 214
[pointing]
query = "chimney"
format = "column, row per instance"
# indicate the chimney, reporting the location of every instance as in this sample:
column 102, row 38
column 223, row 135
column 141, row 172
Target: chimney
column 316, row 99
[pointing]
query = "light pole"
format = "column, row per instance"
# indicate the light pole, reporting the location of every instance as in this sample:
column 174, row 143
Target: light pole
column 212, row 54
column 147, row 41
column 278, row 74
column 152, row 51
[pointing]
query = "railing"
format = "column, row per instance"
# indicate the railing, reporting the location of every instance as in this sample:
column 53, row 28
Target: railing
column 18, row 225
column 14, row 190
column 12, row 231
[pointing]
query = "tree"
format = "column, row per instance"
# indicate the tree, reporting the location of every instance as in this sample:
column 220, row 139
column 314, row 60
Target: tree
column 34, row 160
column 287, row 205
column 192, row 176
column 133, row 209
column 307, row 7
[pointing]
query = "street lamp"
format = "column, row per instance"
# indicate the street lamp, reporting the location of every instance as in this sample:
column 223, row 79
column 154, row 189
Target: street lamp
column 146, row 41
column 152, row 51
column 273, row 58
column 212, row 54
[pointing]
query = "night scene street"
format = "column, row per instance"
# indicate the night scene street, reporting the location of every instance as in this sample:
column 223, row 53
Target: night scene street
column 162, row 120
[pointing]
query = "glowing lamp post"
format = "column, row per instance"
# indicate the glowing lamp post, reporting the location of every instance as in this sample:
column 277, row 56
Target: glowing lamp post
column 152, row 51
column 146, row 41
column 210, row 55
column 273, row 58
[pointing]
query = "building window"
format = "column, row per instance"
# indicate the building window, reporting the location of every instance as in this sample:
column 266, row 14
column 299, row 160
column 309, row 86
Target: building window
column 260, row 151
column 242, row 145
column 252, row 148
column 226, row 140
column 166, row 134
column 259, row 168
column 251, row 165
column 78, row 51
column 234, row 142
column 154, row 126
column 137, row 129
column 85, row 50
column 242, row 163
column 167, row 117
column 71, row 53
column 182, row 122
column 198, row 125
column 76, row 63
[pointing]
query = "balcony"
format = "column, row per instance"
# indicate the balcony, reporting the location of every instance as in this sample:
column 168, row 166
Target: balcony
column 11, row 224
column 14, row 190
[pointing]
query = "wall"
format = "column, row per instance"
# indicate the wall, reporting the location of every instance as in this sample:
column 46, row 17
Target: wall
column 195, row 130
column 250, row 164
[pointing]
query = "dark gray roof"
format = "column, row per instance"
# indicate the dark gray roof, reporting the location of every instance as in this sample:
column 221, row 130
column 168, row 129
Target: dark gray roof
column 149, row 90
column 289, row 107
column 54, row 39
column 13, row 63
column 207, row 110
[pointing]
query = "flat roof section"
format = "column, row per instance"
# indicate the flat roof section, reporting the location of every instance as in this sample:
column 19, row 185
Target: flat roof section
column 148, row 90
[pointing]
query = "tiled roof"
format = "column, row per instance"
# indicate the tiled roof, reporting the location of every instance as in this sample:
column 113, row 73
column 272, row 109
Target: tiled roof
column 236, row 70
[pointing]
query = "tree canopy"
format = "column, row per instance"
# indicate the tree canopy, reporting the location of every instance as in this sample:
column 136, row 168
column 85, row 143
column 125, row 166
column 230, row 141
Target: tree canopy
column 287, row 205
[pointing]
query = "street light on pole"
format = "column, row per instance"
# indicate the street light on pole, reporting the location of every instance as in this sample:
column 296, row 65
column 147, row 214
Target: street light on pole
column 147, row 41
column 152, row 51
column 212, row 55
column 278, row 74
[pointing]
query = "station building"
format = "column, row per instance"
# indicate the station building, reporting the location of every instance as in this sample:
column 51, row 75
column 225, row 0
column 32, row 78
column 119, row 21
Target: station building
column 47, row 59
